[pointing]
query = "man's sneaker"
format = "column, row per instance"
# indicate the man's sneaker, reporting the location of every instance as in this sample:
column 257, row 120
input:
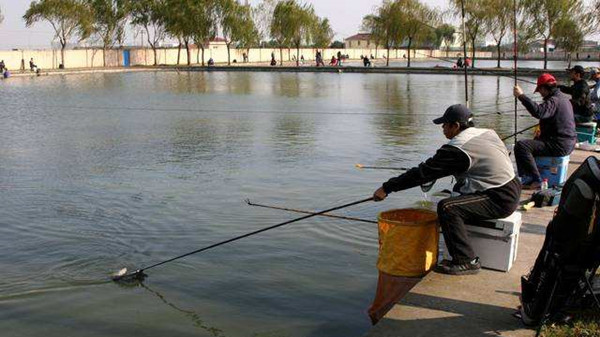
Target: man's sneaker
column 468, row 268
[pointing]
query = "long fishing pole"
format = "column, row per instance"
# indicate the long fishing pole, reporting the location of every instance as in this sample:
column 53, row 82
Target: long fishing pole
column 308, row 212
column 462, row 5
column 361, row 166
column 139, row 274
column 519, row 132
column 516, row 56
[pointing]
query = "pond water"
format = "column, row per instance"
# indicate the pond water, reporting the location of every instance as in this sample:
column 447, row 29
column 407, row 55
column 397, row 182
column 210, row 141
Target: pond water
column 103, row 171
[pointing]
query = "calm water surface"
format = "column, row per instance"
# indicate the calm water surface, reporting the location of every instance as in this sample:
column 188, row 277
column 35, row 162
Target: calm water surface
column 102, row 171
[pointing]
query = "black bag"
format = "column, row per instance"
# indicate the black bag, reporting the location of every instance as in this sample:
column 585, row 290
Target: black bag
column 571, row 248
column 549, row 197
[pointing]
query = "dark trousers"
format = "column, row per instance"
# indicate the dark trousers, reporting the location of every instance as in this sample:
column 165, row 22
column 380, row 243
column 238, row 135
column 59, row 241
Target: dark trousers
column 454, row 212
column 527, row 150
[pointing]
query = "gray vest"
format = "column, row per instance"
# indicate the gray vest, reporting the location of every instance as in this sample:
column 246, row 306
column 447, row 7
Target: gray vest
column 490, row 164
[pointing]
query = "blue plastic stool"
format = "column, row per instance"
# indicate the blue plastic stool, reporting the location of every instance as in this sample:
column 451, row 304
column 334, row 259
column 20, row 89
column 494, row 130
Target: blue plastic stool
column 554, row 169
column 586, row 132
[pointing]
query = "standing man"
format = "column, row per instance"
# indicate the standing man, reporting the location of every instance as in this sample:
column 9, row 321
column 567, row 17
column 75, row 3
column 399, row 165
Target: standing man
column 580, row 92
column 557, row 136
column 485, row 180
column 595, row 94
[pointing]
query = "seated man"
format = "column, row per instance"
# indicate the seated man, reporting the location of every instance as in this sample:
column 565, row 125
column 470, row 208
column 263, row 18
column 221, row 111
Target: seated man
column 366, row 62
column 557, row 136
column 580, row 92
column 485, row 178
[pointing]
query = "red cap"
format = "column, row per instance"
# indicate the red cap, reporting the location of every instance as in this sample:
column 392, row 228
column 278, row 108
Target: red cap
column 545, row 79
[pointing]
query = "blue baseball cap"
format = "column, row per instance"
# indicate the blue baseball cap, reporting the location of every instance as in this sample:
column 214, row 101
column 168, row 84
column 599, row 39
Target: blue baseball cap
column 457, row 113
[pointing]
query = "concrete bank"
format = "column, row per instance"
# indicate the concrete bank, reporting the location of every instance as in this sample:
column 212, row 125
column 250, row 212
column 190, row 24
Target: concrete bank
column 522, row 72
column 477, row 305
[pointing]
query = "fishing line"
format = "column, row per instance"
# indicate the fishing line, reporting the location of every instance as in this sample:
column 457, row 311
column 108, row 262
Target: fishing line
column 478, row 69
column 308, row 113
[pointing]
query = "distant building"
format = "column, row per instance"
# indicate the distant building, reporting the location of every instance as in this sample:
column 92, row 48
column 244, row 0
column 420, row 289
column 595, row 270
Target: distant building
column 360, row 41
column 455, row 45
column 589, row 45
column 216, row 42
column 538, row 45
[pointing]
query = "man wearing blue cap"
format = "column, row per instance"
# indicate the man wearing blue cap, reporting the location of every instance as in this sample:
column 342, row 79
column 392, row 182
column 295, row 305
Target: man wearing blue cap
column 485, row 180
column 580, row 95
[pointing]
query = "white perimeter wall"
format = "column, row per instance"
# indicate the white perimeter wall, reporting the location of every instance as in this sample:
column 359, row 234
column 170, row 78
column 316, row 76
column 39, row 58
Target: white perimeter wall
column 93, row 58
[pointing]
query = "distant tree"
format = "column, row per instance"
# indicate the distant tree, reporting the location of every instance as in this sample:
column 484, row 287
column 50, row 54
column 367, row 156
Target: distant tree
column 149, row 15
column 337, row 45
column 570, row 32
column 445, row 34
column 110, row 18
column 279, row 29
column 386, row 26
column 1, row 16
column 263, row 16
column 302, row 26
column 498, row 21
column 417, row 21
column 205, row 28
column 323, row 34
column 70, row 19
column 237, row 25
column 475, row 16
column 544, row 15
column 180, row 23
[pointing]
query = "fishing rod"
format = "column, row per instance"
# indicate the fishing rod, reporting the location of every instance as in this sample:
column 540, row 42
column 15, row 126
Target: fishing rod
column 464, row 32
column 516, row 56
column 308, row 212
column 519, row 132
column 361, row 166
column 139, row 274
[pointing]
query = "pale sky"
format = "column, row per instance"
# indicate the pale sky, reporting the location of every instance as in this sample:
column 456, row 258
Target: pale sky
column 345, row 17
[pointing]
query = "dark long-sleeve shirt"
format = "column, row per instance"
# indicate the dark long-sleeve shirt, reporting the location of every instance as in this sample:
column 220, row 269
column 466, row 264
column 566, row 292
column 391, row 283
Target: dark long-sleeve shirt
column 557, row 124
column 580, row 97
column 448, row 161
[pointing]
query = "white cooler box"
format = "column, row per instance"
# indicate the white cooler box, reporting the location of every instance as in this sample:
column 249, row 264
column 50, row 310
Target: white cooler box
column 494, row 241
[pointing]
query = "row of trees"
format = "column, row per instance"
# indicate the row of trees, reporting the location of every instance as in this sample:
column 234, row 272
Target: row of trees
column 286, row 23
column 400, row 23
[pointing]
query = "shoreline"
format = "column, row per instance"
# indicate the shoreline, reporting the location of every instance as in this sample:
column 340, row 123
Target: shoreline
column 522, row 72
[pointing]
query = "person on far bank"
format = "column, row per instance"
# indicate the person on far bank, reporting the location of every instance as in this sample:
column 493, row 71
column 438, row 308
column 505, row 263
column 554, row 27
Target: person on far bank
column 557, row 135
column 580, row 92
column 485, row 181
column 459, row 62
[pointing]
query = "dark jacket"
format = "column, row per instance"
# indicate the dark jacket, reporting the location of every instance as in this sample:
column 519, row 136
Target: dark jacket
column 449, row 161
column 557, row 124
column 580, row 97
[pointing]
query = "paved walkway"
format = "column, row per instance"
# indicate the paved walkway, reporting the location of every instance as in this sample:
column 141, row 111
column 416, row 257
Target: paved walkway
column 472, row 306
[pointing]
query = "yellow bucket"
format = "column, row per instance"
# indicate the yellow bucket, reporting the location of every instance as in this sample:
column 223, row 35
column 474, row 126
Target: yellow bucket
column 408, row 241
